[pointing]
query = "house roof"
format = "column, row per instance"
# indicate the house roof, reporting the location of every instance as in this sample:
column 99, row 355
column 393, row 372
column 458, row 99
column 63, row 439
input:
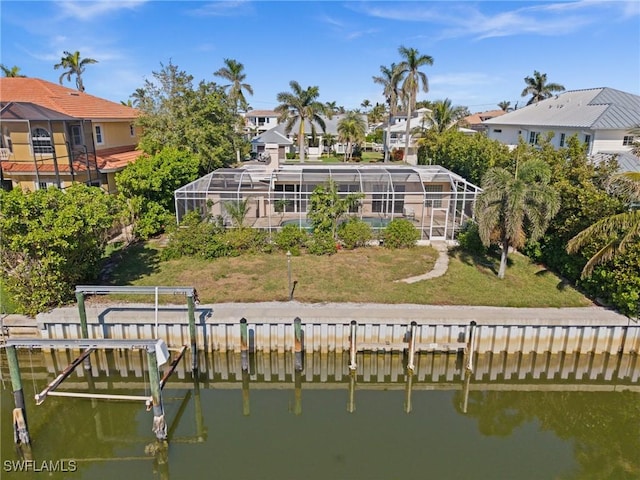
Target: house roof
column 62, row 99
column 627, row 161
column 271, row 136
column 596, row 108
column 261, row 113
column 29, row 111
column 114, row 159
column 480, row 117
column 331, row 125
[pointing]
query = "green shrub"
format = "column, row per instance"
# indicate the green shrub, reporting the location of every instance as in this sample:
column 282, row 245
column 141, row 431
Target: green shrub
column 245, row 239
column 195, row 238
column 354, row 233
column 400, row 233
column 291, row 238
column 469, row 239
column 291, row 156
column 321, row 243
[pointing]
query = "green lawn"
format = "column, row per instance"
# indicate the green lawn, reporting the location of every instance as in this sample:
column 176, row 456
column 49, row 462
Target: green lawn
column 364, row 275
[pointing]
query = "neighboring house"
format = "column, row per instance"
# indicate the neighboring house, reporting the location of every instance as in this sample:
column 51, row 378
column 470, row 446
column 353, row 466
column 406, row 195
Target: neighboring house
column 475, row 121
column 53, row 135
column 259, row 121
column 315, row 146
column 419, row 120
column 269, row 141
column 438, row 202
column 600, row 117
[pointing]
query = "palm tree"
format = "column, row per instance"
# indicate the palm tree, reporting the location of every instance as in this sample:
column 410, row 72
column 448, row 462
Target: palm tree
column 508, row 201
column 331, row 107
column 138, row 97
column 238, row 211
column 73, row 65
column 538, row 87
column 504, row 105
column 620, row 231
column 328, row 139
column 351, row 129
column 300, row 106
column 389, row 80
column 444, row 116
column 366, row 104
column 413, row 80
column 233, row 71
column 11, row 72
column 377, row 113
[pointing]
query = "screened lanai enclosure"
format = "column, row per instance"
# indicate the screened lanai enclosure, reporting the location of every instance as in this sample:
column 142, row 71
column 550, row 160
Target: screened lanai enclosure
column 437, row 201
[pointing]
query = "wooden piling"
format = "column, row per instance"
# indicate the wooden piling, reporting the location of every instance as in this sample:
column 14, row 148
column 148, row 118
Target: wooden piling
column 159, row 423
column 407, row 392
column 351, row 404
column 20, row 426
column 465, row 391
column 471, row 346
column 244, row 344
column 192, row 333
column 297, row 329
column 412, row 347
column 84, row 328
column 297, row 405
column 246, row 406
column 352, row 346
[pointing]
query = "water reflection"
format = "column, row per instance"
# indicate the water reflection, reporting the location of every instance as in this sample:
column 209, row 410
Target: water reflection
column 579, row 412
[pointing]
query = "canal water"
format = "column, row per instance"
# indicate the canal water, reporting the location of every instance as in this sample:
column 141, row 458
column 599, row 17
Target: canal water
column 550, row 417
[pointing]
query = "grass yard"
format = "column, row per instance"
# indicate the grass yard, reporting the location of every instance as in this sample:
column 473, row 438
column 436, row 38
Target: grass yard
column 363, row 275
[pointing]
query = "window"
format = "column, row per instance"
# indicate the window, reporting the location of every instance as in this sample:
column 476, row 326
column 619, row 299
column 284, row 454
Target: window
column 43, row 185
column 76, row 135
column 41, row 141
column 497, row 130
column 628, row 140
column 533, row 137
column 587, row 139
column 132, row 130
column 99, row 137
column 562, row 138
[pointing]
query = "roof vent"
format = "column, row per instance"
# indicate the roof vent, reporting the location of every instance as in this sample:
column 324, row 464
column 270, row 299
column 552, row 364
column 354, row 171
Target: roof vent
column 74, row 94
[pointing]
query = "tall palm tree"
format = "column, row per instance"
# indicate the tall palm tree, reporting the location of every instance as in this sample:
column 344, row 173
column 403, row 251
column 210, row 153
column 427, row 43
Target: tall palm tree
column 138, row 97
column 74, row 65
column 620, row 231
column 444, row 116
column 389, row 79
column 504, row 105
column 300, row 106
column 233, row 72
column 411, row 83
column 538, row 87
column 351, row 129
column 511, row 200
column 331, row 107
column 11, row 72
column 366, row 104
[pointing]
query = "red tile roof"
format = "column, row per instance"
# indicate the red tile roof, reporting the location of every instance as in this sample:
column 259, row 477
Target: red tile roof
column 62, row 99
column 116, row 158
column 480, row 117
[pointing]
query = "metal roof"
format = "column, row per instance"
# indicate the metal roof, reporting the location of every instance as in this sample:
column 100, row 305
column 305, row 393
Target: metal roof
column 597, row 108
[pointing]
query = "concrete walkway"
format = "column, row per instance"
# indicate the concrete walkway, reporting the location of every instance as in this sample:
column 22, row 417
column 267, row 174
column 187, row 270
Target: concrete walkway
column 440, row 267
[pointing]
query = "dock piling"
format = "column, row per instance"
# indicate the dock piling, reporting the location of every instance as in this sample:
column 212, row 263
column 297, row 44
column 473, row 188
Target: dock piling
column 159, row 423
column 244, row 344
column 351, row 404
column 412, row 347
column 352, row 346
column 20, row 426
column 297, row 328
column 192, row 332
column 471, row 346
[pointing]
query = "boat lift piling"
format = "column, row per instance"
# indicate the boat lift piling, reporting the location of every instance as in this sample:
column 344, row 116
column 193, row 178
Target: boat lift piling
column 352, row 345
column 244, row 344
column 20, row 426
column 297, row 329
column 471, row 346
column 412, row 348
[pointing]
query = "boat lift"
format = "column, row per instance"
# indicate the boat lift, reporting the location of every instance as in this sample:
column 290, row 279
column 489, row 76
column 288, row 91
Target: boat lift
column 157, row 354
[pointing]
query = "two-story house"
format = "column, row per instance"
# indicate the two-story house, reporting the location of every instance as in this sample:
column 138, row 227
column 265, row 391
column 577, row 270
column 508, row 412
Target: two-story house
column 259, row 121
column 602, row 118
column 53, row 135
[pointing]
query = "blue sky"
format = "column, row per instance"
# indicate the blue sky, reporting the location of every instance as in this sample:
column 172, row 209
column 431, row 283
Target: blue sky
column 481, row 50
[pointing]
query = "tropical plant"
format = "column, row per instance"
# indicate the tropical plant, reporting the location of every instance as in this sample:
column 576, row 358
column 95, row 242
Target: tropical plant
column 354, row 233
column 301, row 106
column 413, row 79
column 513, row 207
column 400, row 233
column 11, row 72
column 237, row 210
column 377, row 113
column 389, row 79
column 504, row 105
column 538, row 87
column 351, row 129
column 329, row 139
column 635, row 146
column 620, row 231
column 327, row 207
column 73, row 65
column 366, row 104
column 443, row 115
column 233, row 71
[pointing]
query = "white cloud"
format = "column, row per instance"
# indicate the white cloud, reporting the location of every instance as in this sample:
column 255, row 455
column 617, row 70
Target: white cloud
column 223, row 8
column 90, row 10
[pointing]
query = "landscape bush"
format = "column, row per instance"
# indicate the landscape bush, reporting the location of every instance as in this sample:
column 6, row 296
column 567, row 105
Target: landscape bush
column 400, row 233
column 322, row 243
column 354, row 233
column 241, row 240
column 195, row 237
column 291, row 238
column 469, row 239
